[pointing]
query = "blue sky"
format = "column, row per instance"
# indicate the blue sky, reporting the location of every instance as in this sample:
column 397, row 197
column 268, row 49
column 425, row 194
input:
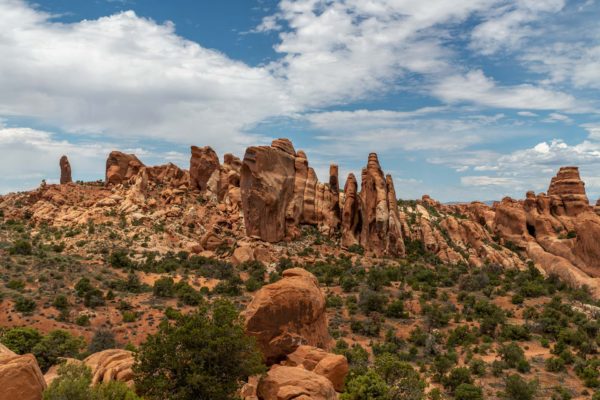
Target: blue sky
column 461, row 99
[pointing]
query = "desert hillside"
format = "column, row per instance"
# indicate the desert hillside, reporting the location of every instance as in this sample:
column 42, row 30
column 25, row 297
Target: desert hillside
column 346, row 292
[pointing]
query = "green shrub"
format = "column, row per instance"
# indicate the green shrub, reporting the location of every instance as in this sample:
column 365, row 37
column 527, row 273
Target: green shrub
column 103, row 339
column 516, row 388
column 555, row 364
column 467, row 391
column 369, row 386
column 74, row 383
column 25, row 305
column 213, row 356
column 56, row 344
column 21, row 247
column 457, row 377
column 164, row 287
column 20, row 340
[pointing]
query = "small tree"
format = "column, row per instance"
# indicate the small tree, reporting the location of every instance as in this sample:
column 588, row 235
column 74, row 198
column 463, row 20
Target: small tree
column 103, row 339
column 467, row 391
column 518, row 388
column 369, row 386
column 204, row 355
column 21, row 340
column 56, row 344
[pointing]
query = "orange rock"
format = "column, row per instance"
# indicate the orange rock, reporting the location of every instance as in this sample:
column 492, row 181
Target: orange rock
column 204, row 163
column 111, row 365
column 332, row 366
column 120, row 167
column 284, row 383
column 20, row 376
column 267, row 187
column 288, row 313
column 65, row 170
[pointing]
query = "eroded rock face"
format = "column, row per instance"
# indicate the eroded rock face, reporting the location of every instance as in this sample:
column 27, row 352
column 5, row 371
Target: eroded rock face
column 169, row 175
column 267, row 188
column 65, row 170
column 204, row 165
column 332, row 366
column 350, row 213
column 120, row 167
column 20, row 376
column 111, row 365
column 567, row 192
column 379, row 212
column 288, row 313
column 283, row 383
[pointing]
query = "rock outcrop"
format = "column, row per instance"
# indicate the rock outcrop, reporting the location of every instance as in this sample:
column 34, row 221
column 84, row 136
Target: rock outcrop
column 20, row 376
column 283, row 383
column 280, row 192
column 111, row 365
column 371, row 217
column 65, row 170
column 288, row 313
column 567, row 193
column 204, row 169
column 332, row 366
column 267, row 188
column 121, row 167
column 169, row 175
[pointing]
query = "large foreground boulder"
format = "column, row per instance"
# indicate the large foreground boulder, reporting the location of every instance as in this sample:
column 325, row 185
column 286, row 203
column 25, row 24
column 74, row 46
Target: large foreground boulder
column 287, row 314
column 20, row 376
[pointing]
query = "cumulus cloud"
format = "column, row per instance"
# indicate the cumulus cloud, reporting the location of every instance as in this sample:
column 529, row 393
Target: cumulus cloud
column 476, row 87
column 506, row 27
column 124, row 75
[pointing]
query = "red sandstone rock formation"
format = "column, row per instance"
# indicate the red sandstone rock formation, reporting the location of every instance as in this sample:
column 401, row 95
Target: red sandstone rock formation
column 350, row 213
column 288, row 313
column 567, row 193
column 65, row 170
column 332, row 366
column 267, row 188
column 111, row 365
column 120, row 167
column 169, row 175
column 377, row 210
column 204, row 167
column 20, row 376
column 283, row 382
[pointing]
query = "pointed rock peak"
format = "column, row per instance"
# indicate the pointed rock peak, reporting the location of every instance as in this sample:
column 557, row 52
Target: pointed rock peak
column 373, row 161
column 65, row 170
column 284, row 145
column 334, row 184
column 301, row 154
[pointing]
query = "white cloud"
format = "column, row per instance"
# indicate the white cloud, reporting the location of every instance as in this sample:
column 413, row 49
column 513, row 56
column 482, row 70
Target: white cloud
column 483, row 180
column 477, row 88
column 527, row 114
column 123, row 75
column 506, row 27
column 340, row 51
column 556, row 117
